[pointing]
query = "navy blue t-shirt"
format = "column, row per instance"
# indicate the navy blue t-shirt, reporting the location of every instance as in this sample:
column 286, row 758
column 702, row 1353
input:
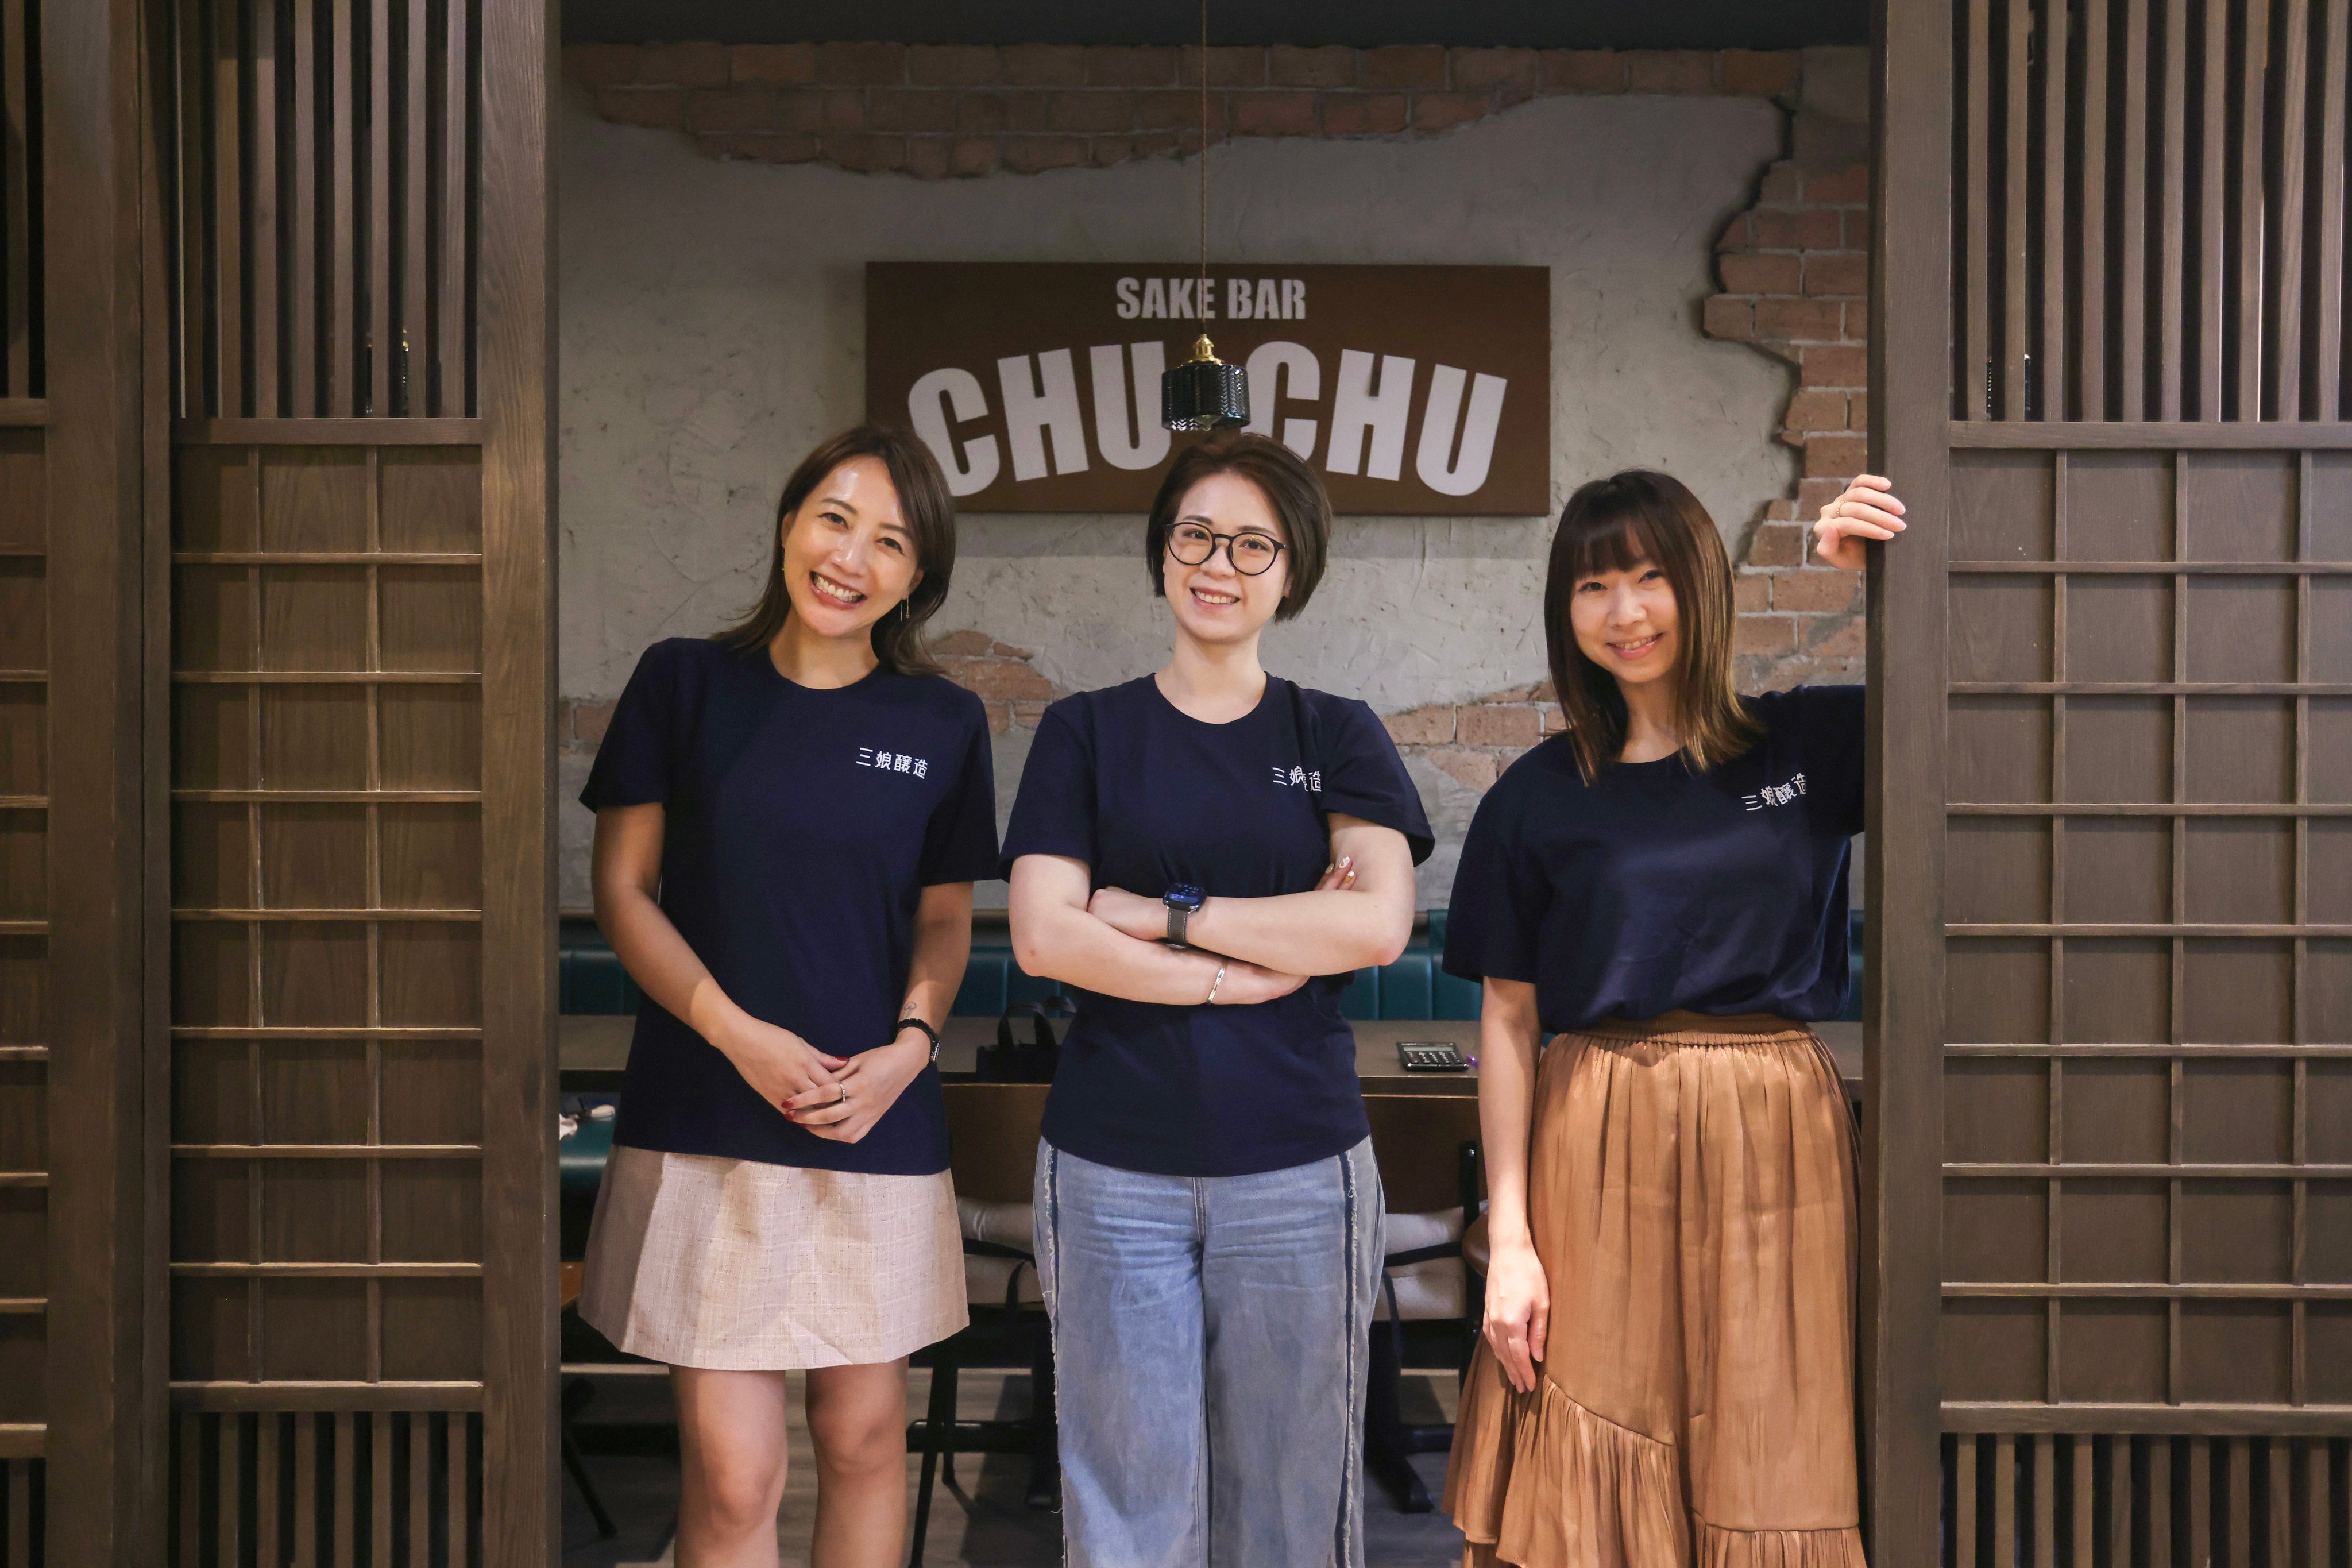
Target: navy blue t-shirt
column 1149, row 797
column 1654, row 888
column 799, row 828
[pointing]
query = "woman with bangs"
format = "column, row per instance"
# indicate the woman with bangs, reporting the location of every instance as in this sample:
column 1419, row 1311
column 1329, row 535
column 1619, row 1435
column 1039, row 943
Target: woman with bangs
column 1666, row 1371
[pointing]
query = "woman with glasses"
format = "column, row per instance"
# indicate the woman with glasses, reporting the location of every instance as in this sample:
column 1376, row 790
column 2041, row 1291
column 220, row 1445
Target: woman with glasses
column 1190, row 851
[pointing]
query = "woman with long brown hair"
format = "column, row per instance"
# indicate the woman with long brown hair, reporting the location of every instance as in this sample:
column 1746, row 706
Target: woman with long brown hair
column 1666, row 1373
column 788, row 820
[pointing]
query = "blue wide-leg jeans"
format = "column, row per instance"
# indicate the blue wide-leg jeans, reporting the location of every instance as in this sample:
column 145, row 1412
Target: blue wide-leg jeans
column 1210, row 1340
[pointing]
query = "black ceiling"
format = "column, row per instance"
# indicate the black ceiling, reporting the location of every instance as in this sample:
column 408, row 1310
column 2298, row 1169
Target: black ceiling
column 1561, row 23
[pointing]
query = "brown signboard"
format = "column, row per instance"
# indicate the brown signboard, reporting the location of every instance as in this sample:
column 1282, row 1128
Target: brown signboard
column 1412, row 390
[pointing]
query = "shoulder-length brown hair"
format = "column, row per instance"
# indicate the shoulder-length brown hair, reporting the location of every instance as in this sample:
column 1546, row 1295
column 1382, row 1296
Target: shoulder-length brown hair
column 1613, row 525
column 930, row 513
column 1290, row 488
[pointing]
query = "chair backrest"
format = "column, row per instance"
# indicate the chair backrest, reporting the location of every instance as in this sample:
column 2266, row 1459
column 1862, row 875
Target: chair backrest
column 992, row 1133
column 1417, row 1143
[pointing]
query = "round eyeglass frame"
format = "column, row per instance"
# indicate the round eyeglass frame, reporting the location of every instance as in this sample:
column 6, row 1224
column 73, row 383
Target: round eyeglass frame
column 1216, row 539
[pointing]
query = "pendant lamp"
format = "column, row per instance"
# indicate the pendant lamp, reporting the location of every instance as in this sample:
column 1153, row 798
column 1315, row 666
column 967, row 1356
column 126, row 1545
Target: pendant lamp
column 1204, row 392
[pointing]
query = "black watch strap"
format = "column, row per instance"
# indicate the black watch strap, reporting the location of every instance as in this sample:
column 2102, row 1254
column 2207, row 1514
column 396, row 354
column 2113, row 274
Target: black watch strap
column 911, row 1021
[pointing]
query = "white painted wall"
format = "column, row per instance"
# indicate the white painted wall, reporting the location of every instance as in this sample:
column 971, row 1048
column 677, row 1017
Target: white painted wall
column 712, row 322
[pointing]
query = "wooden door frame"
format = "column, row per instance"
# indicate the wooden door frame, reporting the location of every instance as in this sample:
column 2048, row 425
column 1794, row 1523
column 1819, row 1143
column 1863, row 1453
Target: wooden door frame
column 521, row 1520
column 1903, row 1008
column 103, row 1498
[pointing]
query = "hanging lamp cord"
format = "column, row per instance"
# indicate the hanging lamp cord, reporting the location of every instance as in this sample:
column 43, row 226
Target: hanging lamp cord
column 1201, row 300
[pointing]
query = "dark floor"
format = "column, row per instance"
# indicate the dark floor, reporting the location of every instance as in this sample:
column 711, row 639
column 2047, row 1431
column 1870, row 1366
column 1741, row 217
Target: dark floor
column 984, row 1523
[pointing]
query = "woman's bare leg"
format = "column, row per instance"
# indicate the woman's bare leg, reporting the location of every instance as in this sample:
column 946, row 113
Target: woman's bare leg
column 857, row 1415
column 731, row 1429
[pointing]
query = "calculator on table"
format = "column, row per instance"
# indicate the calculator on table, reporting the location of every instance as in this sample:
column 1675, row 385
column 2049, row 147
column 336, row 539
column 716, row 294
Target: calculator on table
column 1431, row 1055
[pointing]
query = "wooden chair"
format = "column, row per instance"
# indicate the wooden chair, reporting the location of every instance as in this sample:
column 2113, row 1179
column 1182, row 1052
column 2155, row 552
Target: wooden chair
column 993, row 1130
column 1426, row 1146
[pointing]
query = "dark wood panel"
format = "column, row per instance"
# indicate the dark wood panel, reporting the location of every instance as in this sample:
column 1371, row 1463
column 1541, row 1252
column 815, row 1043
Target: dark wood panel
column 96, row 1506
column 1996, row 1230
column 313, row 498
column 2002, row 507
column 1905, row 1004
column 2001, row 628
column 518, row 53
column 2000, row 870
column 308, row 1091
column 431, row 856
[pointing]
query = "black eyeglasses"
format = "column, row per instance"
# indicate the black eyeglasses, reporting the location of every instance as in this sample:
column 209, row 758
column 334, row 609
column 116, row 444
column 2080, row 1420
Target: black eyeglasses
column 1251, row 552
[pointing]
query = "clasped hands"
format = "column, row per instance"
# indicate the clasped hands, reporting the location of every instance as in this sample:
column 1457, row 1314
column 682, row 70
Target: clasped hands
column 836, row 1097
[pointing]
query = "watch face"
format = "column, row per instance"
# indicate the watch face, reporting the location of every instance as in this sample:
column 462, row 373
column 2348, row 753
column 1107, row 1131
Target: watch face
column 1184, row 896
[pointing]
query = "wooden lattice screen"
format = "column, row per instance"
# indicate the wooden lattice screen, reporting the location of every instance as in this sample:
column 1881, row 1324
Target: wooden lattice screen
column 360, row 1077
column 2115, row 283
column 276, row 990
column 328, row 180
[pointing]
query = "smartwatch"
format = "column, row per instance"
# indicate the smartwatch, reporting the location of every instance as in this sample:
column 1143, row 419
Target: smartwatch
column 1184, row 901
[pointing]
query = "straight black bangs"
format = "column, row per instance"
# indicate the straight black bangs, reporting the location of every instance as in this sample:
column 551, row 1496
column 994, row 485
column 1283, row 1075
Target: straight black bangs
column 1615, row 534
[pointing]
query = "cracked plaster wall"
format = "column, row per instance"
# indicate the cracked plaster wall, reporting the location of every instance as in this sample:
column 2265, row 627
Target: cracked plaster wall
column 711, row 331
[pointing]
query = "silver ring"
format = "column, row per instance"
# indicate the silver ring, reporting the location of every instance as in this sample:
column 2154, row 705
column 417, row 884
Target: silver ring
column 842, row 1092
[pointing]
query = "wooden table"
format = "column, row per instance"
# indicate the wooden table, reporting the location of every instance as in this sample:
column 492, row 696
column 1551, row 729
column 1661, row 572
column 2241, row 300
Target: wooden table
column 594, row 1049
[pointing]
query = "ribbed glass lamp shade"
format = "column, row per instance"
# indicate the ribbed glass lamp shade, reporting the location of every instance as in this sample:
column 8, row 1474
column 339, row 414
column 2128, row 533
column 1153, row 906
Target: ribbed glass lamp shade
column 1204, row 392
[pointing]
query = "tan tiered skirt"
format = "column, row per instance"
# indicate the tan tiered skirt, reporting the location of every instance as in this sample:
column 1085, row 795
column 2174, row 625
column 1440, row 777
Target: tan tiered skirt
column 1691, row 1193
column 742, row 1266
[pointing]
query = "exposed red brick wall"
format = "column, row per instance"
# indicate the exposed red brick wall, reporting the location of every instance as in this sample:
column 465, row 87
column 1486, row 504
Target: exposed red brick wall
column 1474, row 742
column 1795, row 270
column 945, row 112
column 580, row 726
column 1000, row 675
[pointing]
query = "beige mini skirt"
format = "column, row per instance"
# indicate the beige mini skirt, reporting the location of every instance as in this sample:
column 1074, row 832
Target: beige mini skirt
column 741, row 1266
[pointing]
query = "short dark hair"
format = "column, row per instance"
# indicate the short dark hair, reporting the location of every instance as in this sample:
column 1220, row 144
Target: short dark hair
column 1289, row 486
column 930, row 513
column 1613, row 525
